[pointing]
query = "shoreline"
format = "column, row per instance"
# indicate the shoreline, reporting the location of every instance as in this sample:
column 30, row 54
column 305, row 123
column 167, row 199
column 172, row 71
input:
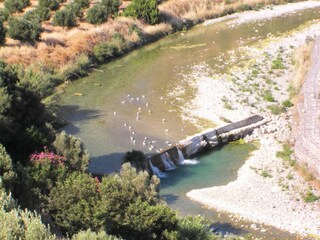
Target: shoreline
column 267, row 190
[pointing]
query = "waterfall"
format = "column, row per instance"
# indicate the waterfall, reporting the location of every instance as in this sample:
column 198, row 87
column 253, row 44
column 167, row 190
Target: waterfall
column 183, row 161
column 168, row 164
column 156, row 170
column 181, row 157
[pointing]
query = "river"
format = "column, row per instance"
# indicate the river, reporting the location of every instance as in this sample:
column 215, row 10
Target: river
column 145, row 95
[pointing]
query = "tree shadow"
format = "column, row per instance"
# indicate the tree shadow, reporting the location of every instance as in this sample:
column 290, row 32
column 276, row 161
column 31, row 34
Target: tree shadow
column 222, row 228
column 170, row 198
column 106, row 164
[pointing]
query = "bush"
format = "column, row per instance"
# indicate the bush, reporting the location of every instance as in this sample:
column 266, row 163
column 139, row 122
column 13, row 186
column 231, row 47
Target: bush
column 82, row 3
column 137, row 159
column 51, row 4
column 24, row 30
column 89, row 235
column 72, row 203
column 191, row 228
column 77, row 158
column 144, row 9
column 4, row 14
column 7, row 174
column 104, row 51
column 112, row 6
column 65, row 18
column 98, row 14
column 76, row 9
column 2, row 34
column 276, row 109
column 287, row 103
column 39, row 14
column 310, row 197
column 16, row 5
column 20, row 224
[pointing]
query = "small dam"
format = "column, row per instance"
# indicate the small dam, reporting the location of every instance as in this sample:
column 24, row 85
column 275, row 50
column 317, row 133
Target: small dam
column 207, row 140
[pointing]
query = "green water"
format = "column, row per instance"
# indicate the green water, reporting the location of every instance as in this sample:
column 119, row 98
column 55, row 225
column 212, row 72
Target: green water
column 156, row 78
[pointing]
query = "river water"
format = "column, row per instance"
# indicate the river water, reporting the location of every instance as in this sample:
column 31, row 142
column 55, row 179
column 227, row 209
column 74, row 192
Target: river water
column 145, row 94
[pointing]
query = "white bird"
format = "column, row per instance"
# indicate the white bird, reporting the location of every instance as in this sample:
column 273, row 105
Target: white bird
column 149, row 112
column 132, row 133
column 144, row 143
column 139, row 109
column 131, row 138
column 143, row 96
column 138, row 99
column 166, row 130
column 123, row 102
column 147, row 104
column 163, row 120
column 137, row 118
column 130, row 127
column 114, row 113
column 134, row 141
column 125, row 124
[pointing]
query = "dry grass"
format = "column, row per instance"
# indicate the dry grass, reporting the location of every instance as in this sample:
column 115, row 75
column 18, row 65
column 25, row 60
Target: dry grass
column 305, row 173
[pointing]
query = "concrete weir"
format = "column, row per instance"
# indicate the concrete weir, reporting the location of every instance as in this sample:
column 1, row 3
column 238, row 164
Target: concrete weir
column 206, row 140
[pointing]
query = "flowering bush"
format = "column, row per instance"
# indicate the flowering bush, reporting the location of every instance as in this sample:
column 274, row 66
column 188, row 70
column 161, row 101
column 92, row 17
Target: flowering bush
column 45, row 155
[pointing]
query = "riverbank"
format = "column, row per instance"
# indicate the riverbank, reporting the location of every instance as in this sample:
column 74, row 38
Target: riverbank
column 259, row 80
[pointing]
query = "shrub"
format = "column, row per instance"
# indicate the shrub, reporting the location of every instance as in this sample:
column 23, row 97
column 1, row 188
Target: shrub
column 276, row 109
column 268, row 97
column 98, row 14
column 2, row 34
column 137, row 159
column 4, row 14
column 310, row 197
column 16, row 5
column 145, row 9
column 286, row 153
column 7, row 174
column 86, row 235
column 51, row 4
column 277, row 63
column 287, row 103
column 24, row 30
column 76, row 9
column 82, row 3
column 190, row 228
column 112, row 6
column 65, row 18
column 72, row 203
column 77, row 158
column 39, row 14
column 20, row 224
column 104, row 51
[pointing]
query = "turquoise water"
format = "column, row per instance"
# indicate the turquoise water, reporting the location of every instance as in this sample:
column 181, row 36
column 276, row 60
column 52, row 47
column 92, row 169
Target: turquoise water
column 214, row 168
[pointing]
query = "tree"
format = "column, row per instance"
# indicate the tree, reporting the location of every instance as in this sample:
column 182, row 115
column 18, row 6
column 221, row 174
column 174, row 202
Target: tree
column 24, row 30
column 112, row 6
column 20, row 224
column 16, row 5
column 2, row 33
column 51, row 4
column 144, row 9
column 65, row 18
column 137, row 159
column 7, row 174
column 77, row 157
column 72, row 203
column 194, row 228
column 97, row 14
column 38, row 14
column 23, row 118
column 82, row 3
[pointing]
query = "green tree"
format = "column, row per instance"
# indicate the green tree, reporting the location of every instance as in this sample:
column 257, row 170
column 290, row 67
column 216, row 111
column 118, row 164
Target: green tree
column 144, row 9
column 65, row 18
column 2, row 33
column 7, row 174
column 16, row 5
column 112, row 6
column 20, row 224
column 97, row 14
column 51, row 4
column 194, row 228
column 82, row 3
column 77, row 157
column 137, row 159
column 72, row 203
column 24, row 30
column 23, row 118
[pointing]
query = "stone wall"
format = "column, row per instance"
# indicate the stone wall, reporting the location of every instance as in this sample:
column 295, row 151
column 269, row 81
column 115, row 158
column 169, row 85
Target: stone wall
column 209, row 140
